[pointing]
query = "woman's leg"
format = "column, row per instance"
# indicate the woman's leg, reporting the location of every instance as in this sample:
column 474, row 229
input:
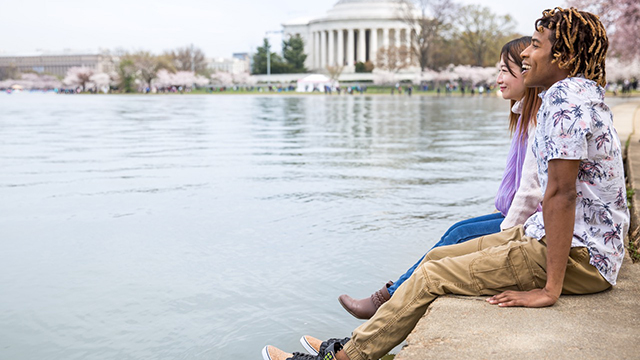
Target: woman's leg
column 471, row 229
column 459, row 232
column 453, row 227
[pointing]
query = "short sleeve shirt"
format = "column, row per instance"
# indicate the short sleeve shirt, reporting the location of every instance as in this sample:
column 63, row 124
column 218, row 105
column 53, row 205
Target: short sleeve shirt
column 575, row 124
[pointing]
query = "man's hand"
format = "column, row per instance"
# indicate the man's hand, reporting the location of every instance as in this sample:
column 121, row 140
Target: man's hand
column 534, row 298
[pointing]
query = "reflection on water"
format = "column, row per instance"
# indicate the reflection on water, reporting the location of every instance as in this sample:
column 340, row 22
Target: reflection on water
column 208, row 226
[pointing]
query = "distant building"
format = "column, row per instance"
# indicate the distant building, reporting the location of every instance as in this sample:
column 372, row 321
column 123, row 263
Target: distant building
column 352, row 31
column 235, row 65
column 57, row 63
column 242, row 56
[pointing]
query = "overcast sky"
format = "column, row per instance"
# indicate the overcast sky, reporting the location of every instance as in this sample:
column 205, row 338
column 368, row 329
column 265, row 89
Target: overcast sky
column 219, row 27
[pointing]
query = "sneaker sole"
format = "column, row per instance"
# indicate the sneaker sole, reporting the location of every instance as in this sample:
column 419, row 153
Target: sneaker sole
column 265, row 353
column 307, row 347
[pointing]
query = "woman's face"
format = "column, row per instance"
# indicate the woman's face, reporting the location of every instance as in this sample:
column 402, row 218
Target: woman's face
column 512, row 87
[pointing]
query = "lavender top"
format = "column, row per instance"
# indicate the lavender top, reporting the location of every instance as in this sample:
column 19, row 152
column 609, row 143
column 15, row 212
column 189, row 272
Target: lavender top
column 513, row 170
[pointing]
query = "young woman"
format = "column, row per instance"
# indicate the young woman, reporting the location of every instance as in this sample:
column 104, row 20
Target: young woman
column 519, row 194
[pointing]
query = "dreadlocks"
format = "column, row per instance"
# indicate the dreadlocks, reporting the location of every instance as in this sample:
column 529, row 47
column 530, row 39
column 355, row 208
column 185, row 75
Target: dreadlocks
column 580, row 43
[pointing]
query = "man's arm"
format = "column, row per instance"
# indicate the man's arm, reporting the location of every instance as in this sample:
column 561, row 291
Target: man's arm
column 558, row 212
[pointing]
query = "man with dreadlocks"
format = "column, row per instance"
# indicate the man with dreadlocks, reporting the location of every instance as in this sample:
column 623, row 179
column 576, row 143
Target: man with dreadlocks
column 573, row 247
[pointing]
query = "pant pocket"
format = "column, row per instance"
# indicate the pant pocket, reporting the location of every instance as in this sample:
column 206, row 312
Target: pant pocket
column 577, row 256
column 503, row 268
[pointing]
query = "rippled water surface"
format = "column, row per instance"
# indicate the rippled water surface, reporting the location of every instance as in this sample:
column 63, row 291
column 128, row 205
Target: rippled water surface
column 204, row 227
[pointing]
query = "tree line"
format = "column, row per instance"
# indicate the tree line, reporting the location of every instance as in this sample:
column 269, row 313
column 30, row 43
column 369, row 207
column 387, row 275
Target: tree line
column 291, row 61
column 145, row 66
column 136, row 69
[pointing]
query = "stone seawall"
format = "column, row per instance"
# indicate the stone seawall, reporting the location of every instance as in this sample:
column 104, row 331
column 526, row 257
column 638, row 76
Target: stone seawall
column 598, row 326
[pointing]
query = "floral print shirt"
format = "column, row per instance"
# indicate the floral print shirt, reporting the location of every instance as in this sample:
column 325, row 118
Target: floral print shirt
column 575, row 124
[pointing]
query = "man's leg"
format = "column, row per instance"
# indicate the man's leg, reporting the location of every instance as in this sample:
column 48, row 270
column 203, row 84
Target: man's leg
column 483, row 266
column 458, row 233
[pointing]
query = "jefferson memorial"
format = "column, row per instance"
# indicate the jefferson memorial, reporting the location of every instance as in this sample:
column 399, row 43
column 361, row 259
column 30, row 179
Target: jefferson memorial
column 352, row 31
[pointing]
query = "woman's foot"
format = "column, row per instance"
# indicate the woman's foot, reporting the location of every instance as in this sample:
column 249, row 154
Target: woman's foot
column 365, row 308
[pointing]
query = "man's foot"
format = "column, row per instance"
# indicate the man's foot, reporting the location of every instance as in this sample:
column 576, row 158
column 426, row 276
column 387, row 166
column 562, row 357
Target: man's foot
column 315, row 346
column 365, row 308
column 326, row 351
column 273, row 353
column 311, row 344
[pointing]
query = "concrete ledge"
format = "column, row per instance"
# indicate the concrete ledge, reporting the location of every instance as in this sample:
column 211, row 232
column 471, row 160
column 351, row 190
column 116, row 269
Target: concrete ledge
column 598, row 326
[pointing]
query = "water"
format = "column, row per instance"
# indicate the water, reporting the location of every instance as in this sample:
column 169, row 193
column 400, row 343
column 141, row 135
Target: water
column 205, row 227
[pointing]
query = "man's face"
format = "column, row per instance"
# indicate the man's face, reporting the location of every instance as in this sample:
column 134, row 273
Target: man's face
column 537, row 68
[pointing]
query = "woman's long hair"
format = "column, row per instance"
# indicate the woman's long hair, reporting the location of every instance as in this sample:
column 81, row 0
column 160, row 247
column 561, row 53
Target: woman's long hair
column 531, row 101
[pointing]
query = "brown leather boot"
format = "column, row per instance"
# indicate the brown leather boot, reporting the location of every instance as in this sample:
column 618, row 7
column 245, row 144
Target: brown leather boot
column 365, row 308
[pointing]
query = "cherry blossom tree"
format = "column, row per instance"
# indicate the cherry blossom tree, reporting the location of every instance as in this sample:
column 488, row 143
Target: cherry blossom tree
column 101, row 81
column 384, row 77
column 620, row 70
column 622, row 20
column 163, row 79
column 222, row 78
column 188, row 58
column 393, row 58
column 78, row 76
column 244, row 79
column 147, row 65
column 186, row 79
column 426, row 76
column 33, row 82
column 474, row 75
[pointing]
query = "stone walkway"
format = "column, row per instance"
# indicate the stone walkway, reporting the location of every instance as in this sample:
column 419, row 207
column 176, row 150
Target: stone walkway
column 599, row 326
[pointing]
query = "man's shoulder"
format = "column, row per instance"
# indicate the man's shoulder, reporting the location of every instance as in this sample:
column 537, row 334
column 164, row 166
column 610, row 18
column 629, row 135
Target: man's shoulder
column 572, row 93
column 576, row 87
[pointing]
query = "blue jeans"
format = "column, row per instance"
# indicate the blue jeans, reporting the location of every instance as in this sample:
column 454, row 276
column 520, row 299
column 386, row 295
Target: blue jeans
column 458, row 233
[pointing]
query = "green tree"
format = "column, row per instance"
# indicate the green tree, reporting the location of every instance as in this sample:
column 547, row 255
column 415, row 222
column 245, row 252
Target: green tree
column 127, row 74
column 431, row 24
column 189, row 58
column 278, row 65
column 9, row 72
column 293, row 51
column 482, row 33
column 147, row 65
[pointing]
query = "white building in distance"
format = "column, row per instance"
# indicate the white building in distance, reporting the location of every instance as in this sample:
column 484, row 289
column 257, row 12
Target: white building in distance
column 233, row 65
column 352, row 31
column 57, row 63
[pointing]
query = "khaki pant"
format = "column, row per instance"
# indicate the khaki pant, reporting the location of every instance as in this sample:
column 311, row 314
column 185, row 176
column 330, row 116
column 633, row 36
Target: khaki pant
column 484, row 266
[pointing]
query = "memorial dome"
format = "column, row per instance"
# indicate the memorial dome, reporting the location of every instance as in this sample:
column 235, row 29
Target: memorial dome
column 351, row 31
column 362, row 1
column 364, row 9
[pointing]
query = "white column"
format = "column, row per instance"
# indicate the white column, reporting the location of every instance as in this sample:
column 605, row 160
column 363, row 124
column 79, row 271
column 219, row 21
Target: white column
column 350, row 45
column 316, row 50
column 332, row 58
column 397, row 38
column 385, row 41
column 373, row 45
column 308, row 49
column 323, row 49
column 340, row 60
column 385, row 38
column 407, row 38
column 362, row 56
